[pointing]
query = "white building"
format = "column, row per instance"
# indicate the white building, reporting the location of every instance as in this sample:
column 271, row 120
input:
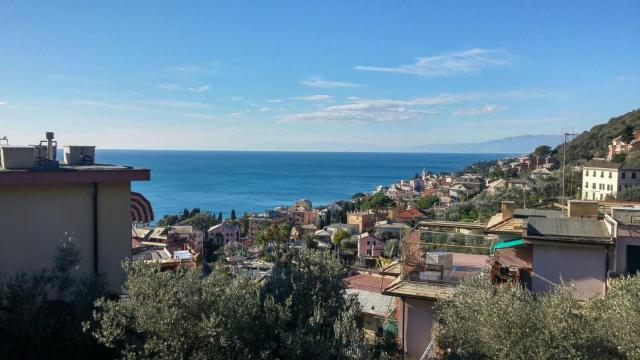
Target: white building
column 602, row 178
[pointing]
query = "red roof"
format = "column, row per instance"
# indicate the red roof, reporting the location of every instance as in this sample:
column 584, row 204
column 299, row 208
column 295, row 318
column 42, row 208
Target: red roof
column 410, row 214
column 369, row 282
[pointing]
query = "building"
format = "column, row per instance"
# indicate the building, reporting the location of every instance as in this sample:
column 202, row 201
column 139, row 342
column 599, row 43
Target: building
column 390, row 230
column 378, row 310
column 224, row 233
column 602, row 179
column 618, row 146
column 364, row 220
column 42, row 199
column 369, row 245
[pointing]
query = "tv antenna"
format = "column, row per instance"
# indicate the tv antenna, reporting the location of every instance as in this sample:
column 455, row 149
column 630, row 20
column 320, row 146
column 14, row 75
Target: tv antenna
column 4, row 140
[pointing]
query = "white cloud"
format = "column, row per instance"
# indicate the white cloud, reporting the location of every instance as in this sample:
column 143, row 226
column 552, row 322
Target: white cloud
column 236, row 114
column 264, row 109
column 486, row 109
column 4, row 104
column 370, row 111
column 203, row 88
column 169, row 87
column 328, row 84
column 318, row 97
column 176, row 104
column 107, row 105
column 451, row 64
column 200, row 116
column 274, row 101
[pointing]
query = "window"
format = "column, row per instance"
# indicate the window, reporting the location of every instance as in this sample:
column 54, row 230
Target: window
column 593, row 186
column 600, row 196
column 601, row 173
column 609, row 174
column 586, row 185
column 624, row 175
column 633, row 175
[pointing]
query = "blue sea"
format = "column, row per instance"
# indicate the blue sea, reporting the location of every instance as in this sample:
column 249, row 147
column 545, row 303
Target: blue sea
column 254, row 181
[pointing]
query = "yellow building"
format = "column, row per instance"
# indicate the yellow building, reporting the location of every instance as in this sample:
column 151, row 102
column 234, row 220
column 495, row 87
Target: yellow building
column 41, row 200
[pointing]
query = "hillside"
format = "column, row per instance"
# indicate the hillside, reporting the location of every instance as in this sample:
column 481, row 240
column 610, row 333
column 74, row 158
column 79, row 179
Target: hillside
column 594, row 142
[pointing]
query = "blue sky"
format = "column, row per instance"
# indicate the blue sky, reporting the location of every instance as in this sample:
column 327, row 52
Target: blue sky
column 312, row 75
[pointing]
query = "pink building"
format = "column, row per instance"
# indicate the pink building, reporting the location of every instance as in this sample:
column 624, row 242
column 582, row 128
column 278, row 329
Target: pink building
column 369, row 245
column 224, row 233
column 618, row 146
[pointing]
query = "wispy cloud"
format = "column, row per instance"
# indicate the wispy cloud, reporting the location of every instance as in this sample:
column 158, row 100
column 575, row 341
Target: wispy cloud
column 264, row 109
column 318, row 97
column 203, row 68
column 4, row 104
column 361, row 110
column 203, row 88
column 200, row 116
column 327, row 84
column 274, row 101
column 450, row 64
column 107, row 105
column 176, row 104
column 169, row 87
column 486, row 109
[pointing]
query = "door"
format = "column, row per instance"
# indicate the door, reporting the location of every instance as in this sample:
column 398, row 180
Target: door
column 633, row 259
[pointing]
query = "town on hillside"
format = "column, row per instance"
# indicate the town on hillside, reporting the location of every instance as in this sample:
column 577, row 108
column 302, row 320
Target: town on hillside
column 532, row 222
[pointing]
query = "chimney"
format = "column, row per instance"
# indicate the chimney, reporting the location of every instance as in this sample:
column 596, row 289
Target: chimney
column 507, row 209
column 50, row 151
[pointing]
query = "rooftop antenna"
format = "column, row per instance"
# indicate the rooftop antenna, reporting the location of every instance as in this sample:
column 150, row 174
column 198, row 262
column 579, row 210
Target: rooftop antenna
column 4, row 140
column 565, row 135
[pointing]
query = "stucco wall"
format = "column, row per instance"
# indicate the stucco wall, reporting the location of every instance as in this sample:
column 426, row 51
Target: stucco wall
column 34, row 219
column 418, row 323
column 585, row 266
column 620, row 264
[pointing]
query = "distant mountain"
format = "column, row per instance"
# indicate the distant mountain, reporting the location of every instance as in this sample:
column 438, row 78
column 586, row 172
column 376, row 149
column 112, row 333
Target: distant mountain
column 513, row 145
column 595, row 142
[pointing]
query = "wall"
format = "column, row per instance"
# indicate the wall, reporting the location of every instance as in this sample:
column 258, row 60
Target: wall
column 602, row 177
column 34, row 219
column 583, row 265
column 418, row 322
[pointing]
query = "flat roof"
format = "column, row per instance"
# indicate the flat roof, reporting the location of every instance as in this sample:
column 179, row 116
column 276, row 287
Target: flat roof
column 567, row 229
column 74, row 174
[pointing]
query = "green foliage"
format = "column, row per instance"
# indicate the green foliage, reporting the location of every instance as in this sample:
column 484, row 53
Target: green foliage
column 201, row 221
column 358, row 195
column 300, row 312
column 619, row 158
column 629, row 194
column 595, row 142
column 349, row 244
column 426, row 202
column 168, row 220
column 542, row 150
column 484, row 322
column 391, row 249
column 460, row 243
column 233, row 215
column 274, row 236
column 627, row 134
column 340, row 235
column 632, row 159
column 377, row 201
column 41, row 314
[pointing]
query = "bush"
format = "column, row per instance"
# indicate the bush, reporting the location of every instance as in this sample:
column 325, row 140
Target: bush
column 485, row 322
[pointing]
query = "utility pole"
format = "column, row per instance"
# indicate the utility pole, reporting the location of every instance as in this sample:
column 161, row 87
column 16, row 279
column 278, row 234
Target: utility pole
column 565, row 136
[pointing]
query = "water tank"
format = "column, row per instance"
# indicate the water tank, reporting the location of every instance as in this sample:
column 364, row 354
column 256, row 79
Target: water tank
column 17, row 157
column 79, row 155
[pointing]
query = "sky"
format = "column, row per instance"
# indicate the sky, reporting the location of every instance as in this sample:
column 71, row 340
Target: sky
column 312, row 75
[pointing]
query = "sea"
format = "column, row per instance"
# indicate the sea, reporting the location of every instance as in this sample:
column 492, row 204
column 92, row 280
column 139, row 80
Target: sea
column 248, row 181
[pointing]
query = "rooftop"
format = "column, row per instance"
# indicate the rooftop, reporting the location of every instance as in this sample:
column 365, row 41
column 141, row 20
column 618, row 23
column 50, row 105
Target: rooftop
column 372, row 302
column 567, row 229
column 74, row 174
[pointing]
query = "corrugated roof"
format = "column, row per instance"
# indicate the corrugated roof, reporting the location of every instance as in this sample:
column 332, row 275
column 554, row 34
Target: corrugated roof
column 567, row 229
column 537, row 213
column 372, row 302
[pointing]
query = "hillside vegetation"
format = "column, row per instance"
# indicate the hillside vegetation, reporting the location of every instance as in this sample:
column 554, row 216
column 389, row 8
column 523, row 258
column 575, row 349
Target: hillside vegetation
column 594, row 143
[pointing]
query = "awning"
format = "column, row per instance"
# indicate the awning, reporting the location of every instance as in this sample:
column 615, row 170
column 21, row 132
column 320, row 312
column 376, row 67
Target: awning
column 507, row 244
column 141, row 211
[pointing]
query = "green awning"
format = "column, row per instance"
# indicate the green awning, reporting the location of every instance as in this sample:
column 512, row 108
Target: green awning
column 507, row 244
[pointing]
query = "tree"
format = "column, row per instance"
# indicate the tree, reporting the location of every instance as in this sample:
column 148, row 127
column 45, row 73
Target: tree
column 302, row 311
column 629, row 194
column 233, row 214
column 542, row 150
column 41, row 313
column 338, row 236
column 201, row 221
column 632, row 159
column 377, row 201
column 220, row 217
column 426, row 202
column 542, row 326
column 392, row 249
column 358, row 195
column 619, row 158
column 168, row 220
column 627, row 134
